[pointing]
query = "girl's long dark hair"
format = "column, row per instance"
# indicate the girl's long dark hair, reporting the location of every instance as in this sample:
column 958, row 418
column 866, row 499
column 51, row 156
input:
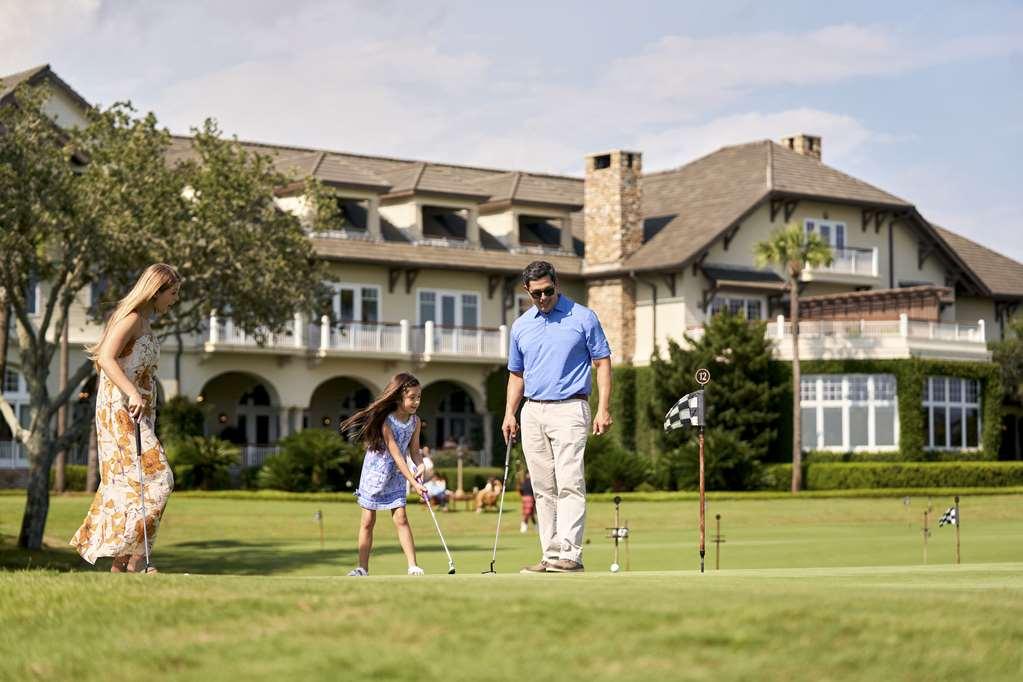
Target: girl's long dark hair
column 367, row 425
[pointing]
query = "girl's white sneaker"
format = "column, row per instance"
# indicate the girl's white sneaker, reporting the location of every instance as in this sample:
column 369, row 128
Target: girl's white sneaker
column 415, row 570
column 359, row 571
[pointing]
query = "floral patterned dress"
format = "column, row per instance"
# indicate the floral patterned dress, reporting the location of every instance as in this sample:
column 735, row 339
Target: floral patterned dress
column 113, row 526
column 381, row 485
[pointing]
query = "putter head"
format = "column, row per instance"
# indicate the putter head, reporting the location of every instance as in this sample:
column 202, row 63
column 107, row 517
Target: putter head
column 491, row 571
column 451, row 571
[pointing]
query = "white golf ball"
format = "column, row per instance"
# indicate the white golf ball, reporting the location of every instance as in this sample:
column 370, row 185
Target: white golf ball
column 615, row 568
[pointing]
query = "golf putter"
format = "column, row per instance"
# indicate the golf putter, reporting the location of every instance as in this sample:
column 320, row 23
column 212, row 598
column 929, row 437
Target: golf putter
column 500, row 507
column 142, row 492
column 451, row 562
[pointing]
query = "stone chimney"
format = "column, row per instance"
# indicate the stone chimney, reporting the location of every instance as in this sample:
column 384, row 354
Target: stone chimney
column 807, row 145
column 613, row 214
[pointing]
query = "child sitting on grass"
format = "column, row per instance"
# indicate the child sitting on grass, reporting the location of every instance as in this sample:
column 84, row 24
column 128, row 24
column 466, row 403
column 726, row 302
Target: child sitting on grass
column 387, row 427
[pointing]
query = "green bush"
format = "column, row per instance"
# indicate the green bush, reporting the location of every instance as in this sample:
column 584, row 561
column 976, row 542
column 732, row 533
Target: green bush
column 611, row 467
column 179, row 419
column 865, row 475
column 823, row 456
column 729, row 464
column 312, row 460
column 202, row 463
column 74, row 477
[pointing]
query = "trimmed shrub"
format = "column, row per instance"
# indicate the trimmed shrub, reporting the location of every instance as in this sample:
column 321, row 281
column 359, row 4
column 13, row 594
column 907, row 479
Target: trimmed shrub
column 179, row 419
column 865, row 475
column 312, row 460
column 611, row 467
column 202, row 463
column 74, row 477
column 729, row 464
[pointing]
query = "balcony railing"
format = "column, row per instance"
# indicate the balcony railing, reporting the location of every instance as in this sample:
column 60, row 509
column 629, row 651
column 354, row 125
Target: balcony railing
column 851, row 261
column 876, row 339
column 388, row 338
column 12, row 455
column 255, row 455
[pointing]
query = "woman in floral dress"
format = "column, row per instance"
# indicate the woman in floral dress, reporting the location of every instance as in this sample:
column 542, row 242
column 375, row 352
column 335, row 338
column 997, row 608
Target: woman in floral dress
column 126, row 356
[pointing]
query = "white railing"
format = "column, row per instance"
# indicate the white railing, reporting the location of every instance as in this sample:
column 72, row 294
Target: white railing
column 380, row 337
column 851, row 261
column 476, row 341
column 399, row 338
column 222, row 331
column 255, row 455
column 875, row 339
column 12, row 455
column 947, row 332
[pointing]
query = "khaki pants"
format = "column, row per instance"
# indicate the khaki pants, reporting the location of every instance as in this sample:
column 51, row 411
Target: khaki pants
column 553, row 442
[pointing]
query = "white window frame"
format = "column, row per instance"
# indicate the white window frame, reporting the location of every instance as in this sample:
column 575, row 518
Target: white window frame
column 962, row 404
column 357, row 288
column 457, row 293
column 19, row 399
column 37, row 300
column 845, row 402
column 813, row 225
column 726, row 299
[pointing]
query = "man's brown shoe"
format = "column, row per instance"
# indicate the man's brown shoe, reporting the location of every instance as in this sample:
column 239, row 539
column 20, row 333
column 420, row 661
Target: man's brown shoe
column 541, row 567
column 564, row 566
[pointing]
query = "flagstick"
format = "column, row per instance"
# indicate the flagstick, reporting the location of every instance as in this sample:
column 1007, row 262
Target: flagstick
column 957, row 531
column 702, row 551
column 925, row 537
column 319, row 515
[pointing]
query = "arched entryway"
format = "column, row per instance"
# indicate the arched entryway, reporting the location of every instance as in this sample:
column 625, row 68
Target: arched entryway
column 450, row 417
column 334, row 401
column 241, row 408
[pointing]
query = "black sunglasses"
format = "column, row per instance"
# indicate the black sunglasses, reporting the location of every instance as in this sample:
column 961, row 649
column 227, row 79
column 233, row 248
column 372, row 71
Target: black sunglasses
column 540, row 293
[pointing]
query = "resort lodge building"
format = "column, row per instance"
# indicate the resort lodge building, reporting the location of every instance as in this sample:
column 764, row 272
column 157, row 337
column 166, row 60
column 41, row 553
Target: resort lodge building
column 425, row 263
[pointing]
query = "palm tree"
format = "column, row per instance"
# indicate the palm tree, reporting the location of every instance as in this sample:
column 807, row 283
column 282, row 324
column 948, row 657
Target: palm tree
column 794, row 250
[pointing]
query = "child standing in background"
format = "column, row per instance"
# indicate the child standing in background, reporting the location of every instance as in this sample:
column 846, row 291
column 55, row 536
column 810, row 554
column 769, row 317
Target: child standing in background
column 389, row 428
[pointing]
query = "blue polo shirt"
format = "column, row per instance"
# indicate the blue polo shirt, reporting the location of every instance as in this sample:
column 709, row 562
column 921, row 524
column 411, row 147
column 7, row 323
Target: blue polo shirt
column 554, row 351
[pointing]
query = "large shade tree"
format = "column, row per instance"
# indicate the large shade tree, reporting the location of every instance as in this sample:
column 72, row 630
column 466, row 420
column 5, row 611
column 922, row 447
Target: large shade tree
column 794, row 250
column 95, row 205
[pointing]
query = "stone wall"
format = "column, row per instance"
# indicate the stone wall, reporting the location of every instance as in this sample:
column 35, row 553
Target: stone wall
column 614, row 302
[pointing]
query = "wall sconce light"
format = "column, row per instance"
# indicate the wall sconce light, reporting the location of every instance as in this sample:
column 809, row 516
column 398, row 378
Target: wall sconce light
column 222, row 418
column 200, row 398
column 326, row 421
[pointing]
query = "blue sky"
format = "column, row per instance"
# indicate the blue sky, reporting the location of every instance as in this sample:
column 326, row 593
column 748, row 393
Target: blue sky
column 920, row 98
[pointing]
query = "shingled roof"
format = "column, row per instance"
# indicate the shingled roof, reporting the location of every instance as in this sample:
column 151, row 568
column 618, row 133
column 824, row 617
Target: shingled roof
column 1002, row 275
column 689, row 208
column 35, row 76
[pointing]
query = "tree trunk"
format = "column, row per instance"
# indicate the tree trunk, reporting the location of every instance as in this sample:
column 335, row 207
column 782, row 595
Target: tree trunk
column 797, row 416
column 5, row 316
column 92, row 471
column 37, row 494
column 179, row 351
column 60, row 467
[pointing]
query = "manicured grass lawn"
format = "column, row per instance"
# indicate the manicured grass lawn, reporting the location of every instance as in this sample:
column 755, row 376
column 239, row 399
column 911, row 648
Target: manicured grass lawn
column 811, row 589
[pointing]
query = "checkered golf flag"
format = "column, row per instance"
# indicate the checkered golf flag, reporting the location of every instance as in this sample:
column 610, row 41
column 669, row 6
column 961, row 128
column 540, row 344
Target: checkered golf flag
column 949, row 517
column 687, row 411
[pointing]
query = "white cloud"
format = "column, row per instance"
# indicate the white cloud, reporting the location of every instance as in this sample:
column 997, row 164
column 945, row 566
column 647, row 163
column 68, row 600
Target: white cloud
column 843, row 136
column 30, row 31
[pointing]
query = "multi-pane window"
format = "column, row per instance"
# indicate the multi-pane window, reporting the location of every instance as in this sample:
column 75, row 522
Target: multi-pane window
column 12, row 382
column 356, row 303
column 848, row 412
column 748, row 308
column 449, row 308
column 951, row 411
column 831, row 232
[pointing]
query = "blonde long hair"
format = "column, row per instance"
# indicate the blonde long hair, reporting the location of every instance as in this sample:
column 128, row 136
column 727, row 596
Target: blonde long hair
column 154, row 281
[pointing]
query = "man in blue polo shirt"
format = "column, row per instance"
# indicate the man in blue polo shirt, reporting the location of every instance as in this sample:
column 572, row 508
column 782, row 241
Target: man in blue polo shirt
column 553, row 345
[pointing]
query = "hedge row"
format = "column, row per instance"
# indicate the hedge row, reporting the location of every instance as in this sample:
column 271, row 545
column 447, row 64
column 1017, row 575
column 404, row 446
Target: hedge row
column 74, row 477
column 472, row 477
column 880, row 475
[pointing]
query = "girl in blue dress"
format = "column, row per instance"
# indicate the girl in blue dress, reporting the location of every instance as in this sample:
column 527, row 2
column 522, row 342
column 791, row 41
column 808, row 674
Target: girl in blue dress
column 388, row 426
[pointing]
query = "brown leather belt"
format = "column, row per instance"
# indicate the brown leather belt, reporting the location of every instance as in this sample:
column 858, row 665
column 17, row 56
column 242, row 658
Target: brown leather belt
column 577, row 396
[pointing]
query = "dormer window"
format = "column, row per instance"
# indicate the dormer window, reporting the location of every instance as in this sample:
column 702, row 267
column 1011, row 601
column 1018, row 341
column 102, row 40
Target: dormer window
column 539, row 232
column 354, row 214
column 445, row 223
